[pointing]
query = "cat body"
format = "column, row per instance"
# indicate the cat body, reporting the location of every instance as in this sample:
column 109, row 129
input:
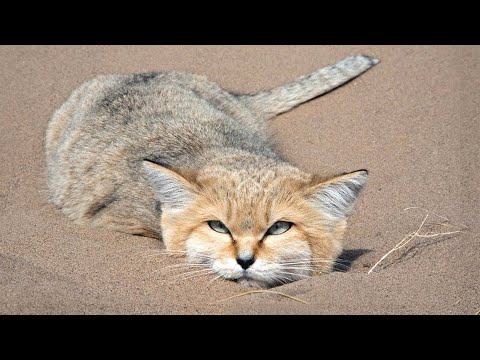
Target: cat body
column 174, row 156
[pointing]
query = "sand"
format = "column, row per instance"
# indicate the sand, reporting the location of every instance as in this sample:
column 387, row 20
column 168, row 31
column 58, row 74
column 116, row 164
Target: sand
column 412, row 121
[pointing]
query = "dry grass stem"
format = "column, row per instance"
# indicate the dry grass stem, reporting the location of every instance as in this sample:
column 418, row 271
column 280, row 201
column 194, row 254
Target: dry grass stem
column 416, row 234
column 264, row 291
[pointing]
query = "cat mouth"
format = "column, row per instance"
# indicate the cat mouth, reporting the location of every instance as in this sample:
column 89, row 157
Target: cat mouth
column 249, row 281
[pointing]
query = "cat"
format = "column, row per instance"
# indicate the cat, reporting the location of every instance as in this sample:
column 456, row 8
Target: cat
column 174, row 156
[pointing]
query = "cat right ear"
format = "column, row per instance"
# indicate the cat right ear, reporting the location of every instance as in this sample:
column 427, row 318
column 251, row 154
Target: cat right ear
column 336, row 197
column 172, row 190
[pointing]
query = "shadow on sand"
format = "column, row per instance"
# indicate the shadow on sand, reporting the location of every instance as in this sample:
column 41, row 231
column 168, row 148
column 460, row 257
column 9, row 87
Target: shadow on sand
column 348, row 257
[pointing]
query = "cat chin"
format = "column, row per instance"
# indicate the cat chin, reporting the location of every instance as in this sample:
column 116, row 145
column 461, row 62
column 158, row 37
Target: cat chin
column 251, row 283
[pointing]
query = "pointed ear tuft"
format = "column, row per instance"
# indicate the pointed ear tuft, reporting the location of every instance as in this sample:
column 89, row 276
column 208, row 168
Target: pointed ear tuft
column 337, row 196
column 172, row 190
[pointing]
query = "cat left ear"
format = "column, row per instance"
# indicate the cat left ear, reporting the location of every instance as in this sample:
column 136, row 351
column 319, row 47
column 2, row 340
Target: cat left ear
column 336, row 197
column 172, row 190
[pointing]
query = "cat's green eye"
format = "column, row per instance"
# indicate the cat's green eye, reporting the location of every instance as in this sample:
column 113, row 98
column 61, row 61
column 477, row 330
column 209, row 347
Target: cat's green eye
column 279, row 228
column 218, row 226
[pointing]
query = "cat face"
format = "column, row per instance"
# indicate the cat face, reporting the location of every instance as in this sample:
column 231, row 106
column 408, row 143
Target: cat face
column 276, row 226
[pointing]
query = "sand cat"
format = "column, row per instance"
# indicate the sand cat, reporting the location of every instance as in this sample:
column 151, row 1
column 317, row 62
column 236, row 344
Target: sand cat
column 174, row 156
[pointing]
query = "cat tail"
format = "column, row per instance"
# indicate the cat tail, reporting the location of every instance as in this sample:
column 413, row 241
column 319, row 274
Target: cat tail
column 283, row 98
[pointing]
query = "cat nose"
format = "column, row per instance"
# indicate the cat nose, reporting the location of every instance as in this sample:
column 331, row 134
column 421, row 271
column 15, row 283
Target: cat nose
column 245, row 262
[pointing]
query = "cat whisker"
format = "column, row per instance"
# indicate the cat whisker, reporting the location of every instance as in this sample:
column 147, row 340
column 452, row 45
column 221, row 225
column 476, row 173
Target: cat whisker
column 218, row 277
column 293, row 274
column 331, row 260
column 178, row 280
column 187, row 273
column 282, row 279
column 315, row 262
column 316, row 265
column 185, row 265
column 157, row 253
column 173, row 254
column 149, row 252
column 297, row 265
column 160, row 255
column 297, row 268
column 335, row 264
column 339, row 260
column 165, row 251
column 199, row 274
column 304, row 263
column 204, row 258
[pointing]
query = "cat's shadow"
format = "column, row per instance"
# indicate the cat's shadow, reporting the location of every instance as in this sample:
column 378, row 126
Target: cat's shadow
column 347, row 258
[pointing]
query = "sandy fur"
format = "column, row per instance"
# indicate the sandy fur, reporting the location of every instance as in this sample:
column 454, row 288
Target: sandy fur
column 160, row 154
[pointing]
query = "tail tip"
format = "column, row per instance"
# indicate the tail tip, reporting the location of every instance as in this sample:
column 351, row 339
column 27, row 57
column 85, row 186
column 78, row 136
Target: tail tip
column 371, row 59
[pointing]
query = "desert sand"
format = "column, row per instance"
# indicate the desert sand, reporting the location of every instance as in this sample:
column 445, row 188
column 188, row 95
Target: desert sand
column 412, row 121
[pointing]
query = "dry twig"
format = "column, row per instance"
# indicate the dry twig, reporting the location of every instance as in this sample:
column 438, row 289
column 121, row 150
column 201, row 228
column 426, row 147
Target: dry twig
column 264, row 291
column 415, row 234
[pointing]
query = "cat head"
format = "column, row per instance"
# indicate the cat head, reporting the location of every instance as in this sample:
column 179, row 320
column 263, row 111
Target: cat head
column 260, row 226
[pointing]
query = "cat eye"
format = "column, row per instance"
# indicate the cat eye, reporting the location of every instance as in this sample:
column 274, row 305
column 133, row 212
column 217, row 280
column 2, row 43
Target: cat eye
column 279, row 228
column 218, row 226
